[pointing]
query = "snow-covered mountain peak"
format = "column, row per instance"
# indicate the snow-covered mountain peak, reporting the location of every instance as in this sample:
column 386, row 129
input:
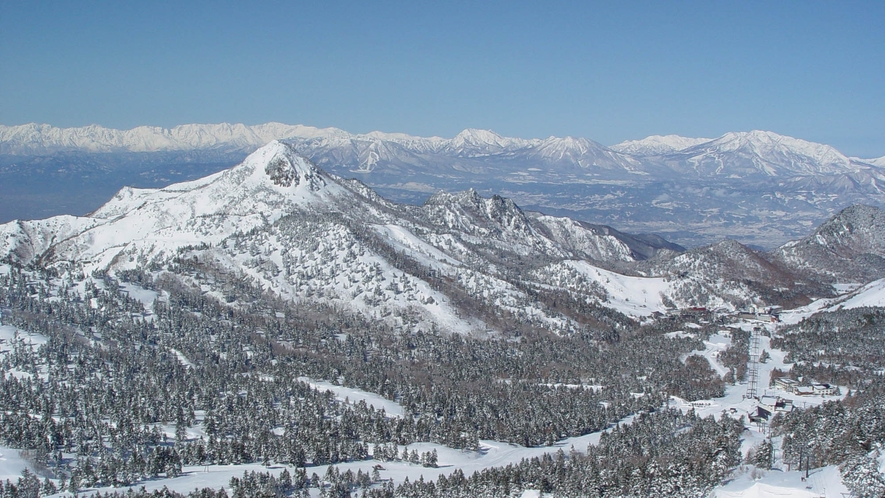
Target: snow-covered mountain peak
column 569, row 152
column 482, row 141
column 473, row 136
column 568, row 145
column 741, row 154
column 269, row 181
column 143, row 224
column 469, row 211
column 756, row 139
column 280, row 165
column 767, row 142
column 729, row 246
column 656, row 145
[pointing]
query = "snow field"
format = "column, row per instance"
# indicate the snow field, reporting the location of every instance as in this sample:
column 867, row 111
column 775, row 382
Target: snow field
column 824, row 482
column 392, row 408
column 490, row 454
column 871, row 294
column 633, row 296
column 11, row 464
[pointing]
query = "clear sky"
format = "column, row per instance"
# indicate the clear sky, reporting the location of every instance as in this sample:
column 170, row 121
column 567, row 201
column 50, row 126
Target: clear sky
column 608, row 71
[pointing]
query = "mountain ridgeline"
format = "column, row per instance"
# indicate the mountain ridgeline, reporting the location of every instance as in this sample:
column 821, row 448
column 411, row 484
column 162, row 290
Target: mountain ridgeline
column 758, row 187
column 460, row 263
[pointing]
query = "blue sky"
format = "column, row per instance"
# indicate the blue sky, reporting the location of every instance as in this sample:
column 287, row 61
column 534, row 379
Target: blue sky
column 608, row 71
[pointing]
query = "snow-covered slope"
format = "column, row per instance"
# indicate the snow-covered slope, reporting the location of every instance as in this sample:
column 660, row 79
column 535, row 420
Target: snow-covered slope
column 849, row 247
column 824, row 482
column 630, row 295
column 869, row 295
column 729, row 274
column 879, row 161
column 28, row 241
column 11, row 464
column 599, row 242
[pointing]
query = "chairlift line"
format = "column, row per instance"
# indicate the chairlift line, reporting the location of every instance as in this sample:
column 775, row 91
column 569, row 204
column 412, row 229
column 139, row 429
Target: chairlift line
column 753, row 370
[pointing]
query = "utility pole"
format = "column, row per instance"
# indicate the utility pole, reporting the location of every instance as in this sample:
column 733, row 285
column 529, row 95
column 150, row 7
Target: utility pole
column 805, row 454
column 801, row 457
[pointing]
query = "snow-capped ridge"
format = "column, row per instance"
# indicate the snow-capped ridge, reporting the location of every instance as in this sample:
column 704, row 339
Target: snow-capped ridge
column 475, row 137
column 463, row 210
column 877, row 161
column 470, row 196
column 655, row 145
column 43, row 138
column 556, row 147
column 766, row 141
column 474, row 142
column 36, row 138
column 762, row 154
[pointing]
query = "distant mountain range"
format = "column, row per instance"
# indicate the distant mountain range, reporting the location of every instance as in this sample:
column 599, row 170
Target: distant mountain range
column 32, row 139
column 758, row 187
column 774, row 154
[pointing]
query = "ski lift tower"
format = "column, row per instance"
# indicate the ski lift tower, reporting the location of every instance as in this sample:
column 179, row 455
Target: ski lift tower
column 753, row 367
